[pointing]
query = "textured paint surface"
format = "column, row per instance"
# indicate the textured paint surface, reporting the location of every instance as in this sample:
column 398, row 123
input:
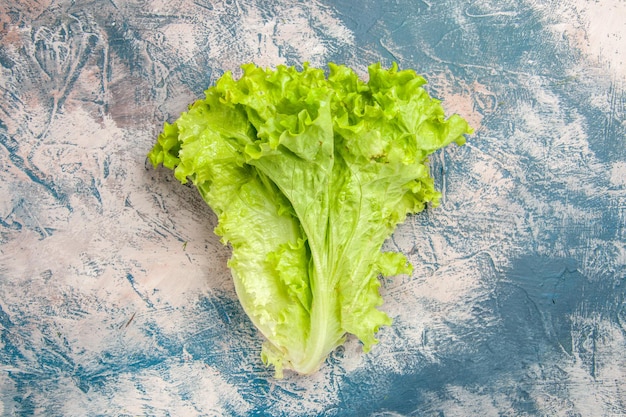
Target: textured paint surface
column 114, row 294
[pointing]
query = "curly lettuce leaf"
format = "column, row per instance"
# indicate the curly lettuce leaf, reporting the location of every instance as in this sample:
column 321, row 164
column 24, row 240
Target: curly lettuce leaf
column 309, row 175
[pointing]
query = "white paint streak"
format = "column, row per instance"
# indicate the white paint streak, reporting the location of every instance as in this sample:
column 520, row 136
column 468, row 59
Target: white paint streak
column 270, row 34
column 597, row 369
column 617, row 174
column 185, row 389
column 605, row 32
column 597, row 28
column 461, row 402
column 181, row 39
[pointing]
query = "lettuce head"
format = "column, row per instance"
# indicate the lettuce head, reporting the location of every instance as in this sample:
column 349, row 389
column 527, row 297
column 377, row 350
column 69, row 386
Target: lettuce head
column 309, row 172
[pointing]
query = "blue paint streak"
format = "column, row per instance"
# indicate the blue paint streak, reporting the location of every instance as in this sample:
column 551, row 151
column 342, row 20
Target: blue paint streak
column 10, row 352
column 131, row 279
column 33, row 173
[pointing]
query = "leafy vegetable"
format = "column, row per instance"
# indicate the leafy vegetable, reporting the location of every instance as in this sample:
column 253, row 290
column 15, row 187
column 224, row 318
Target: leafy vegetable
column 309, row 175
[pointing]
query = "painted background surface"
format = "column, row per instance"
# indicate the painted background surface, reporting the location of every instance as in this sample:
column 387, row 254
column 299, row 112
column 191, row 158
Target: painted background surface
column 114, row 295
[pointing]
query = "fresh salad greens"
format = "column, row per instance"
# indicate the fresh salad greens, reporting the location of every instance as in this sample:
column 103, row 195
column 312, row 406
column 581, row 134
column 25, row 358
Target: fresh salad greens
column 309, row 173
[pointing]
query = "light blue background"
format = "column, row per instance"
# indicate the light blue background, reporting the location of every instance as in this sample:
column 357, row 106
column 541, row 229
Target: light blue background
column 114, row 294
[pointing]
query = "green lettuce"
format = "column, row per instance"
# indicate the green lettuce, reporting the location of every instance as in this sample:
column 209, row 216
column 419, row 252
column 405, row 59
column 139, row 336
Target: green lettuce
column 309, row 173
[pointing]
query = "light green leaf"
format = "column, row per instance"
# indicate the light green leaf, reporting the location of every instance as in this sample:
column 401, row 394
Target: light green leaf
column 309, row 175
